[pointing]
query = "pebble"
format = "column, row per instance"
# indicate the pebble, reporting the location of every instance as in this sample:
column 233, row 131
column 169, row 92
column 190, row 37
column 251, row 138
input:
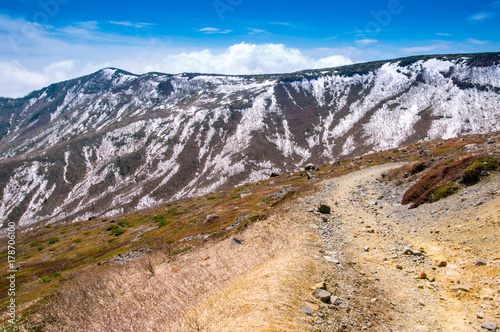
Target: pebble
column 422, row 275
column 306, row 310
column 322, row 294
column 331, row 259
column 481, row 262
column 464, row 288
column 489, row 326
column 320, row 285
column 442, row 264
column 480, row 315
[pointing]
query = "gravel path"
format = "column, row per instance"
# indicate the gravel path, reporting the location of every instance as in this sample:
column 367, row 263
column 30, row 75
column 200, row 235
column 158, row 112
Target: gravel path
column 382, row 259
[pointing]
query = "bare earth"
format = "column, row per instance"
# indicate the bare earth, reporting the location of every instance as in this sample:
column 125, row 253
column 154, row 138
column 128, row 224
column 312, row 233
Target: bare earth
column 374, row 284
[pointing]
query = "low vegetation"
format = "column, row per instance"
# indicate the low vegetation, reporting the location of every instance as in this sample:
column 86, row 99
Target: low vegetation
column 68, row 277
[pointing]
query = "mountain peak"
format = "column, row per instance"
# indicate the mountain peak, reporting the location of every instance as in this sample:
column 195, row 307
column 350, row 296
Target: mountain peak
column 114, row 141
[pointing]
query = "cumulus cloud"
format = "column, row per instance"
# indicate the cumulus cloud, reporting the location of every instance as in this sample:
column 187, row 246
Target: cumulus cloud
column 239, row 59
column 245, row 59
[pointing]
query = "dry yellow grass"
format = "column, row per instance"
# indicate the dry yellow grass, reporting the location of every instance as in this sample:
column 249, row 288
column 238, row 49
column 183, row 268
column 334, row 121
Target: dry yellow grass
column 257, row 286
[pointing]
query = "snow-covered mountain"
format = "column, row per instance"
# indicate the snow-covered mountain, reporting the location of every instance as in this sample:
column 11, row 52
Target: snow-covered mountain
column 113, row 142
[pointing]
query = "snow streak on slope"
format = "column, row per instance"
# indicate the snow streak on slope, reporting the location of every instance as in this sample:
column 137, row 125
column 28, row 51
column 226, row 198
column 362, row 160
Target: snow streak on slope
column 119, row 142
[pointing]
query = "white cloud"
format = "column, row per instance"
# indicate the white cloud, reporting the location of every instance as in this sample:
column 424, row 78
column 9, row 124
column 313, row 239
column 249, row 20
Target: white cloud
column 477, row 41
column 366, row 41
column 210, row 30
column 444, row 34
column 137, row 25
column 246, row 59
column 478, row 17
column 18, row 79
column 260, row 32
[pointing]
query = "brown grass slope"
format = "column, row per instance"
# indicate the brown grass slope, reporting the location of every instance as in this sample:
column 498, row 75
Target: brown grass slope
column 200, row 283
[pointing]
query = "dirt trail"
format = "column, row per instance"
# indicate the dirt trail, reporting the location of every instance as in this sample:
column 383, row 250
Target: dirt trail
column 376, row 282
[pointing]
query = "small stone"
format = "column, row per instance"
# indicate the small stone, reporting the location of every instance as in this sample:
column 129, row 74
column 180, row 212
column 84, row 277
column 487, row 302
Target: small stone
column 320, row 285
column 320, row 314
column 481, row 262
column 496, row 258
column 310, row 167
column 306, row 310
column 235, row 242
column 313, row 306
column 422, row 275
column 366, row 249
column 322, row 294
column 210, row 217
column 331, row 259
column 399, row 267
column 431, row 278
column 464, row 288
column 324, row 218
column 489, row 326
column 442, row 264
column 374, row 300
column 480, row 315
column 325, row 209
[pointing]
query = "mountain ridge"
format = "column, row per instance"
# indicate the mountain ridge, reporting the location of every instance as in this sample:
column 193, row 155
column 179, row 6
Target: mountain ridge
column 113, row 141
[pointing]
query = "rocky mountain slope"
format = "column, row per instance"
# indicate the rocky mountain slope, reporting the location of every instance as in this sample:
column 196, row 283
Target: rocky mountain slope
column 114, row 142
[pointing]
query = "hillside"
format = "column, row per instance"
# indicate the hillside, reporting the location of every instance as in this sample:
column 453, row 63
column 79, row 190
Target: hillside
column 113, row 142
column 250, row 257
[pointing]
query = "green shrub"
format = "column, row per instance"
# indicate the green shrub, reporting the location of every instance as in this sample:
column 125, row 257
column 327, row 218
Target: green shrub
column 35, row 243
column 124, row 223
column 161, row 220
column 117, row 232
column 51, row 277
column 474, row 172
column 53, row 240
column 112, row 227
column 445, row 191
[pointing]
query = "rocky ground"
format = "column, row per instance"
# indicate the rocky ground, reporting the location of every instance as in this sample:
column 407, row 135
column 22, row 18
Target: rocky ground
column 388, row 268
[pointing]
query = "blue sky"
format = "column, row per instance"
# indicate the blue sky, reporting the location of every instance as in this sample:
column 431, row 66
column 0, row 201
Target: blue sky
column 46, row 41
